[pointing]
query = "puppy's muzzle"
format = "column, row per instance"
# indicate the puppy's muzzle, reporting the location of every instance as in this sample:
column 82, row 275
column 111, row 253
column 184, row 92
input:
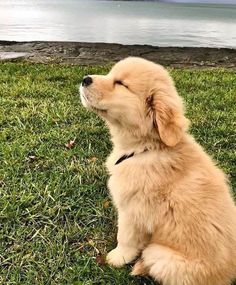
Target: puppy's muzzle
column 87, row 80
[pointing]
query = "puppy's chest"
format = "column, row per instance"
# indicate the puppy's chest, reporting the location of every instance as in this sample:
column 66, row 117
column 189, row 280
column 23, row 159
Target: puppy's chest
column 122, row 190
column 131, row 181
column 130, row 186
column 130, row 198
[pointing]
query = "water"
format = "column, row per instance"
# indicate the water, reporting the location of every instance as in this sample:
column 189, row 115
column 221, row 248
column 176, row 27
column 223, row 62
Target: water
column 154, row 23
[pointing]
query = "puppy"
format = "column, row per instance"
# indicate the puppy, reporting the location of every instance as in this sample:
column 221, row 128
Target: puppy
column 174, row 205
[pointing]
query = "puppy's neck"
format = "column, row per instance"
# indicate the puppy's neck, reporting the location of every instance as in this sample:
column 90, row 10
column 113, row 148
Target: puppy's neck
column 128, row 142
column 125, row 141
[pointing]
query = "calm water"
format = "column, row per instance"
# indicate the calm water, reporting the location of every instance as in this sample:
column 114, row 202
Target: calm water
column 153, row 23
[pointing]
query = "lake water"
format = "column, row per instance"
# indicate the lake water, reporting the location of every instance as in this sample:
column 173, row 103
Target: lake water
column 154, row 23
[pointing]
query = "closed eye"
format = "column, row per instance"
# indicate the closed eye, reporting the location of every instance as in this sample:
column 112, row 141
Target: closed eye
column 119, row 82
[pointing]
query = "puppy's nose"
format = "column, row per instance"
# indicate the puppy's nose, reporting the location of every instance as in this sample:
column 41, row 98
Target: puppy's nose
column 87, row 80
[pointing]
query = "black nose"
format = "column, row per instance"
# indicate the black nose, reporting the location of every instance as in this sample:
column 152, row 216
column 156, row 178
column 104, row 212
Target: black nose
column 87, row 80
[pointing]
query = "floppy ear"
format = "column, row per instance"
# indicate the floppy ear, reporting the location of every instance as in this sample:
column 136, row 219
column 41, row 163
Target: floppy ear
column 169, row 119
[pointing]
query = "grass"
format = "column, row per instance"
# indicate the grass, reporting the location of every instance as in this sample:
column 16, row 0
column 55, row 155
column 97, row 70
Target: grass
column 56, row 219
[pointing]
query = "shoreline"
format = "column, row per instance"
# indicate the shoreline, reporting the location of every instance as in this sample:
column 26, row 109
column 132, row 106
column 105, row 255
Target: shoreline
column 82, row 53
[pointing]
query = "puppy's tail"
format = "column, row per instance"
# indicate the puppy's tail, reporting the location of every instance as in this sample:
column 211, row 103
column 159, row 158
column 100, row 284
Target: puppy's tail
column 169, row 267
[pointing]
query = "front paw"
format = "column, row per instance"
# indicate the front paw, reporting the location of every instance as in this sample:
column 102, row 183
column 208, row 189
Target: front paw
column 121, row 256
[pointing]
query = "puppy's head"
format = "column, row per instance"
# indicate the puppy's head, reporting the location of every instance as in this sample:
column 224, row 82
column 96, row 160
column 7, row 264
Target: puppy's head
column 139, row 97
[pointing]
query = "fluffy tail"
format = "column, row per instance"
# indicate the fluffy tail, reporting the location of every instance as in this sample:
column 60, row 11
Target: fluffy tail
column 171, row 268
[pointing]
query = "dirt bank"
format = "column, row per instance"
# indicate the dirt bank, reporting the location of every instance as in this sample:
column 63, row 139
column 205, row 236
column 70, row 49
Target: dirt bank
column 101, row 53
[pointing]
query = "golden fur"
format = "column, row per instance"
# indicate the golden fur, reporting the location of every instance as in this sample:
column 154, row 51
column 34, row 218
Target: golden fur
column 174, row 205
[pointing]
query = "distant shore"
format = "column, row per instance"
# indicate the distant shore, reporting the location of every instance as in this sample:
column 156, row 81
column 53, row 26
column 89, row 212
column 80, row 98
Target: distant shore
column 102, row 53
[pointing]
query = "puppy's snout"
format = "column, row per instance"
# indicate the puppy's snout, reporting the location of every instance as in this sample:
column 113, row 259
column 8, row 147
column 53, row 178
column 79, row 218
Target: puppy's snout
column 87, row 80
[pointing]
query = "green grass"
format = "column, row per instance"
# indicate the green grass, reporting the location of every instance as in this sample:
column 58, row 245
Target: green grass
column 56, row 220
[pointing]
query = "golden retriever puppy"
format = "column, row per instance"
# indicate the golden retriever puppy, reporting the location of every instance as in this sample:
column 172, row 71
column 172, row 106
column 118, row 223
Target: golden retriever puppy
column 174, row 206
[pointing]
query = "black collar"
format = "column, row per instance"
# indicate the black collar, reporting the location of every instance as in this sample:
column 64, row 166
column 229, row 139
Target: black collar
column 125, row 156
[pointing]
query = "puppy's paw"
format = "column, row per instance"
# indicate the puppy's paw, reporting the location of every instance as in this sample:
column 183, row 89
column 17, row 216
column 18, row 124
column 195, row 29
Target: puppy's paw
column 121, row 256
